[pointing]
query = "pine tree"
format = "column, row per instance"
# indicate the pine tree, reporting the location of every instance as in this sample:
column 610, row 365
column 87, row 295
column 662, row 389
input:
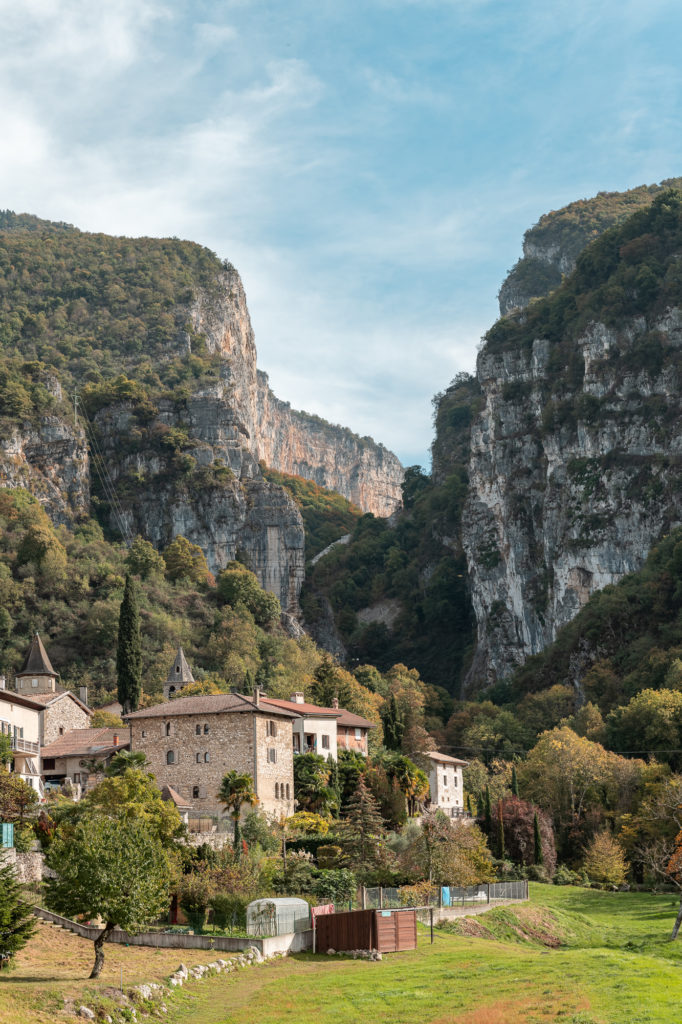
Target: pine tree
column 364, row 826
column 514, row 782
column 487, row 812
column 500, row 831
column 538, row 857
column 129, row 651
column 17, row 923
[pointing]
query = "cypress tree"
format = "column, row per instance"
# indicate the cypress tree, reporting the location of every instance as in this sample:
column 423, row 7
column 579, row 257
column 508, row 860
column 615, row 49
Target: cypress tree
column 514, row 782
column 129, row 650
column 17, row 923
column 487, row 812
column 538, row 856
column 469, row 811
column 500, row 831
column 394, row 724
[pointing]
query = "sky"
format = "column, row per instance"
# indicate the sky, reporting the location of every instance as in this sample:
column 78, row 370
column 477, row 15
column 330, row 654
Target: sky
column 369, row 167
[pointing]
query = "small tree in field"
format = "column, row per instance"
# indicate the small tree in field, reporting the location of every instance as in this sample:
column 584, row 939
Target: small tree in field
column 605, row 860
column 17, row 923
column 113, row 868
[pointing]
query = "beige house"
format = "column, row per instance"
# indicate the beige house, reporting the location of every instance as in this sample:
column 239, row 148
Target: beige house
column 81, row 755
column 314, row 728
column 20, row 720
column 446, row 785
column 192, row 742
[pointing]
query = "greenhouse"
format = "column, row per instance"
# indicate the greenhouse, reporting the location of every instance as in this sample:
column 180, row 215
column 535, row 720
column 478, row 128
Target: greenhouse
column 277, row 916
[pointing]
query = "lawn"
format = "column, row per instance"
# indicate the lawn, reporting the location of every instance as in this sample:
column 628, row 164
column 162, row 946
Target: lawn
column 570, row 955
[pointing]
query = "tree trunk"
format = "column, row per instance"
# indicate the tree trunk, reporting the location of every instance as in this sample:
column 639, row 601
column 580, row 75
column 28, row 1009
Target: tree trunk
column 99, row 948
column 678, row 922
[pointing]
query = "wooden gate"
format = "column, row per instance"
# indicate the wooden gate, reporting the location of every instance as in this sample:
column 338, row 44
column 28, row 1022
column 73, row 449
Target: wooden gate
column 395, row 930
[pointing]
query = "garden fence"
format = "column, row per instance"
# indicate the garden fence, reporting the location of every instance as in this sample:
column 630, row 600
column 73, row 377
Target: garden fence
column 388, row 898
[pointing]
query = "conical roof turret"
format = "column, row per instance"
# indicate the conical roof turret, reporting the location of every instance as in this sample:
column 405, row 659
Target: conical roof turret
column 180, row 671
column 36, row 662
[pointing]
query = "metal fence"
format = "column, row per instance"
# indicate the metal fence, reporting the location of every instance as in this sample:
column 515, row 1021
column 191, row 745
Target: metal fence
column 387, row 898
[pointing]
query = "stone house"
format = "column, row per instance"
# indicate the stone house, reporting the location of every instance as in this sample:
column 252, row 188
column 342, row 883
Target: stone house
column 60, row 710
column 446, row 784
column 76, row 754
column 192, row 742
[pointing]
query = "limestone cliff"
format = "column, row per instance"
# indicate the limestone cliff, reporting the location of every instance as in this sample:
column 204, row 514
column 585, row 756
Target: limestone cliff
column 577, row 451
column 552, row 246
column 334, row 457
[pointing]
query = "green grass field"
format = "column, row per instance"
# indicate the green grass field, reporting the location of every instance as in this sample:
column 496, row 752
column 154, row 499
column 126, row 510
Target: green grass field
column 571, row 955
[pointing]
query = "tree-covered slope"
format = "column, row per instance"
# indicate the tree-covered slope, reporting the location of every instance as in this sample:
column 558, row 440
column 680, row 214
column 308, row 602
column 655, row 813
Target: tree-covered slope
column 552, row 246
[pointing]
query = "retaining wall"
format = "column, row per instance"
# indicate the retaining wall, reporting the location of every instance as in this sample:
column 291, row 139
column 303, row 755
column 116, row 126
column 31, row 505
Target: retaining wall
column 28, row 867
column 292, row 943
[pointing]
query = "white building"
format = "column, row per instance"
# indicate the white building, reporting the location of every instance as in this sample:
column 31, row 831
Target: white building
column 446, row 784
column 314, row 727
column 20, row 720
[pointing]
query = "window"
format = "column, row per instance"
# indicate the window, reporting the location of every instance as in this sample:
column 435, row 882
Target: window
column 270, row 728
column 48, row 764
column 287, row 790
column 455, row 780
column 297, row 743
column 325, row 743
column 198, row 758
column 277, row 791
column 195, row 793
column 167, row 728
column 445, row 780
column 207, row 757
column 61, row 730
column 272, row 755
column 34, row 682
column 205, row 730
column 170, row 757
column 171, row 689
column 76, row 776
column 358, row 734
column 198, row 730
column 143, row 733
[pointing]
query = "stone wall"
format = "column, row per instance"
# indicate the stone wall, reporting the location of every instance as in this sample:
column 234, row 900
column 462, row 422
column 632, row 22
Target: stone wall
column 66, row 714
column 234, row 741
column 28, row 867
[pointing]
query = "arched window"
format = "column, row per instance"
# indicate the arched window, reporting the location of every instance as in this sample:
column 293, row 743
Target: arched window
column 198, row 730
column 170, row 757
column 195, row 793
column 287, row 791
column 167, row 728
column 207, row 757
column 198, row 758
column 277, row 791
column 205, row 730
column 171, row 689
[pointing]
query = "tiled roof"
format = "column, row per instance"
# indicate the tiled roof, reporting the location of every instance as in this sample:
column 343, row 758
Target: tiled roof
column 12, row 697
column 43, row 699
column 206, row 704
column 445, row 758
column 342, row 716
column 180, row 671
column 36, row 661
column 85, row 741
column 302, row 708
column 168, row 793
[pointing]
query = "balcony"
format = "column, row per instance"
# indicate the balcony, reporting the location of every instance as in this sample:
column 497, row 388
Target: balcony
column 20, row 746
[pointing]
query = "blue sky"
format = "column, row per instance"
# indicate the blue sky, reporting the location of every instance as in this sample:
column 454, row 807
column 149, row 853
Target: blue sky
column 370, row 168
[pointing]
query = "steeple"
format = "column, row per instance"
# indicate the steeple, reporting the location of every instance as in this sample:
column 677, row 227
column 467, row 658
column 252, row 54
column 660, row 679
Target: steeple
column 36, row 674
column 179, row 675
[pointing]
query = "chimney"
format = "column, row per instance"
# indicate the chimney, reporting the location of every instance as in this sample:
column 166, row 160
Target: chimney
column 297, row 698
column 3, row 683
column 256, row 697
column 335, row 702
column 115, row 739
column 83, row 694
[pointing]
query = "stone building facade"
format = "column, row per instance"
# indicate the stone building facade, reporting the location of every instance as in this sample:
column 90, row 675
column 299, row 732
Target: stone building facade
column 60, row 713
column 192, row 742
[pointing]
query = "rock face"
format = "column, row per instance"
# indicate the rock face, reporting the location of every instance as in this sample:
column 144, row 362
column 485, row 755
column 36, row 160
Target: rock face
column 293, row 442
column 51, row 461
column 571, row 480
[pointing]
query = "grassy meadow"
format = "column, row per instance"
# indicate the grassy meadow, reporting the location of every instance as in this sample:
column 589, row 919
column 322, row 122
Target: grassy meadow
column 572, row 955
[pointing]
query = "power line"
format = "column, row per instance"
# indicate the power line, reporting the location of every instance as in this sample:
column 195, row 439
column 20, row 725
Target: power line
column 102, row 471
column 482, row 750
